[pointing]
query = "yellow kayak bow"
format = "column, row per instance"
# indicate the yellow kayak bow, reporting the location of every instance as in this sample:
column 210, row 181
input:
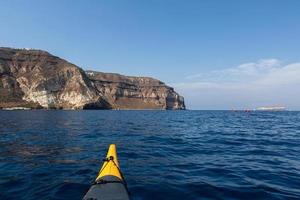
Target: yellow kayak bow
column 111, row 164
column 110, row 183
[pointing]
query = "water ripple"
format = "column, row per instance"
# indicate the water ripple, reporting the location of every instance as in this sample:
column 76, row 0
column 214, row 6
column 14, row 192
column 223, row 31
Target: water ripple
column 163, row 154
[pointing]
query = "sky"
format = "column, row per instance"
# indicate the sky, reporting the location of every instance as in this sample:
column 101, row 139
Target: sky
column 218, row 54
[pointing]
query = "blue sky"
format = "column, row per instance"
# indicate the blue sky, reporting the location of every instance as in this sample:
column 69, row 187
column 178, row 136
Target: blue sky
column 199, row 47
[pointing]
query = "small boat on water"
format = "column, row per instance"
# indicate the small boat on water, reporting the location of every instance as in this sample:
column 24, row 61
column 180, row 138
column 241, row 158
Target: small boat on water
column 110, row 183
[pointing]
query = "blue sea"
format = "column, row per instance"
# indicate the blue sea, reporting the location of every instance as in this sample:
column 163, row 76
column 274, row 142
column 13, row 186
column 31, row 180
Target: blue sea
column 163, row 154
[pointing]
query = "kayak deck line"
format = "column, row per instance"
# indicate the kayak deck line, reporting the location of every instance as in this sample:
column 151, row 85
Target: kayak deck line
column 111, row 164
column 102, row 174
column 109, row 183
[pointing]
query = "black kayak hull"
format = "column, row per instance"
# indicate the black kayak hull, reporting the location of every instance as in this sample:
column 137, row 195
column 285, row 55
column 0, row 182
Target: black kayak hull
column 108, row 188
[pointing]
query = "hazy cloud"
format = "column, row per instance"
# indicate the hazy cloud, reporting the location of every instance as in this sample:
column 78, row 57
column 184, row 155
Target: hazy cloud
column 249, row 85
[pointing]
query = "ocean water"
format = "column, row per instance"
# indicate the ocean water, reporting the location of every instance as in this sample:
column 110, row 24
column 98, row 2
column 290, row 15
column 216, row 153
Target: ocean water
column 163, row 154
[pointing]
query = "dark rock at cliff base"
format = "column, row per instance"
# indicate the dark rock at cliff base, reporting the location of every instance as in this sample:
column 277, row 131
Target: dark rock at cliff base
column 37, row 79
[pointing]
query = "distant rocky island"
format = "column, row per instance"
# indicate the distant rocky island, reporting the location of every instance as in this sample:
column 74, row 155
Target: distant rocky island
column 32, row 79
column 271, row 108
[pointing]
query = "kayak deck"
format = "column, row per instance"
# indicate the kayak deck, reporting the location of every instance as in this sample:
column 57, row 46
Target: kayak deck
column 109, row 183
column 111, row 164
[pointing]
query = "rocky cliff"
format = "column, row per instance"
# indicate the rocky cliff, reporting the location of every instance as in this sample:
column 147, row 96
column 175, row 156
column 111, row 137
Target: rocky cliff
column 37, row 79
column 127, row 92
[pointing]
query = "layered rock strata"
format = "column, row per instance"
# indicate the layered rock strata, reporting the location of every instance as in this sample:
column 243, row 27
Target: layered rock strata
column 37, row 79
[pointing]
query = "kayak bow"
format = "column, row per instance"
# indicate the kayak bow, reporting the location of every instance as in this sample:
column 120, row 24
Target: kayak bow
column 110, row 183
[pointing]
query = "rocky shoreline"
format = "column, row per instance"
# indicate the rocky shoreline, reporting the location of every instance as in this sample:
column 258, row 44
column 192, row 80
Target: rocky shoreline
column 35, row 79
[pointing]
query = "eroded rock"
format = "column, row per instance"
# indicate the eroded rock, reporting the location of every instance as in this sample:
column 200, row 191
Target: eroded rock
column 35, row 78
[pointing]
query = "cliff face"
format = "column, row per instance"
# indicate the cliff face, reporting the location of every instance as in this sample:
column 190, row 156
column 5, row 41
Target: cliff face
column 37, row 78
column 126, row 92
column 34, row 78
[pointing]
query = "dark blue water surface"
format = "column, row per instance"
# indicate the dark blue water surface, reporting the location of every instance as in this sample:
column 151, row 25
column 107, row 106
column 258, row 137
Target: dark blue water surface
column 163, row 154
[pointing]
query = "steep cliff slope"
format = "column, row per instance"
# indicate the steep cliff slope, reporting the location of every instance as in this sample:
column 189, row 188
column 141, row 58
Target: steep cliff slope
column 35, row 78
column 38, row 78
column 127, row 92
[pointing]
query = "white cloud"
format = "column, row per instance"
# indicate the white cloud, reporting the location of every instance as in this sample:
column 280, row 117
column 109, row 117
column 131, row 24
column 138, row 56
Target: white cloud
column 242, row 72
column 249, row 85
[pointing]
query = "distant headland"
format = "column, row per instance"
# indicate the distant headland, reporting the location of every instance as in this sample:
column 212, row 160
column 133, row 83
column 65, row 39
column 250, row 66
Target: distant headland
column 31, row 79
column 271, row 108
